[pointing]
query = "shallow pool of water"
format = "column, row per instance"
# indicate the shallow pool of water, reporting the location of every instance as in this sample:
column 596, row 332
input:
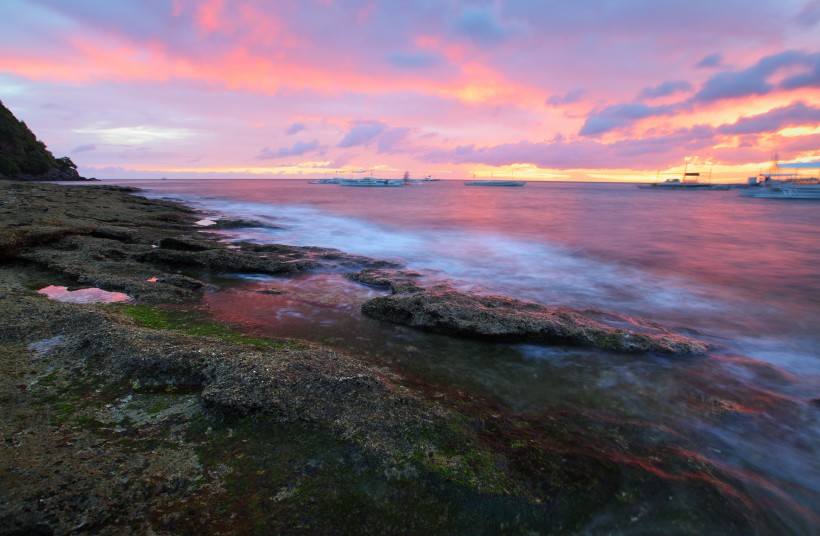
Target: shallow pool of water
column 83, row 295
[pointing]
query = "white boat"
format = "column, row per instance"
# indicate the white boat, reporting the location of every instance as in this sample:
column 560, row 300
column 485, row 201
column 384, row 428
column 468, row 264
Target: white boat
column 495, row 183
column 371, row 182
column 785, row 189
column 428, row 178
column 778, row 184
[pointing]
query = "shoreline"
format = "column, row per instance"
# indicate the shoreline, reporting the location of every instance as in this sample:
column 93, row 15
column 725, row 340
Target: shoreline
column 144, row 416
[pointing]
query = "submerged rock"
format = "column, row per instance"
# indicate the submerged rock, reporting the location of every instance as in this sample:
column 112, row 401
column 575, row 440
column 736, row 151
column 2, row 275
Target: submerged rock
column 443, row 309
column 227, row 260
column 399, row 281
column 240, row 223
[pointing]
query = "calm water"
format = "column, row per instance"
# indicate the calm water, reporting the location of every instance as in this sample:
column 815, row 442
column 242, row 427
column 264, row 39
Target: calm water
column 737, row 271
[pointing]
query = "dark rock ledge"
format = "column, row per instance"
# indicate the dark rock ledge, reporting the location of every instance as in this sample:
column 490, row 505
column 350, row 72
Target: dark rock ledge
column 442, row 309
column 106, row 237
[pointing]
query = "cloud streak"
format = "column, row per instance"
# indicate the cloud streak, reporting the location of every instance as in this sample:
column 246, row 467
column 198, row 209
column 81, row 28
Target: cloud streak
column 756, row 80
column 297, row 149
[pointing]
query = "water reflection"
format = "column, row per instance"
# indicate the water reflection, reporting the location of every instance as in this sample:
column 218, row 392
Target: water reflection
column 739, row 413
column 83, row 295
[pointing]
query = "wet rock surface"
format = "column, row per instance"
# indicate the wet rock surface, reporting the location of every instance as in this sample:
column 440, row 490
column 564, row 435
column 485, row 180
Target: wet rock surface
column 235, row 223
column 117, row 242
column 442, row 309
column 398, row 281
column 141, row 419
column 98, row 413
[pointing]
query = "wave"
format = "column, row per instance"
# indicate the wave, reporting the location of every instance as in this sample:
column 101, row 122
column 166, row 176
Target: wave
column 486, row 262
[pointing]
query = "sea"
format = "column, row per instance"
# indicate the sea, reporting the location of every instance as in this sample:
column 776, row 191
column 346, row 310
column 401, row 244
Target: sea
column 739, row 272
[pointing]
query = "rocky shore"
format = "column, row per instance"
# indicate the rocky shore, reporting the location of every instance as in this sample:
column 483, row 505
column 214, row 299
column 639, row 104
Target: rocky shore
column 149, row 418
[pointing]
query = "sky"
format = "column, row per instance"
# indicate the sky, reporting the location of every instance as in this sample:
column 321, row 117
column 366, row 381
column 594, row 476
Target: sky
column 623, row 90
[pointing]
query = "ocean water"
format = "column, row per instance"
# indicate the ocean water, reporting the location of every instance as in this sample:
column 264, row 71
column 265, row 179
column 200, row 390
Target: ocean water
column 739, row 272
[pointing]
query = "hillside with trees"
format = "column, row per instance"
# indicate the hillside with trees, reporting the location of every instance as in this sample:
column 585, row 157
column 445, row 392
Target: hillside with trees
column 23, row 157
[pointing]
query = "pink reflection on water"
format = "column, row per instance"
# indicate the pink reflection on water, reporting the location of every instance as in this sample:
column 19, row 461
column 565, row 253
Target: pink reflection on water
column 83, row 295
column 312, row 306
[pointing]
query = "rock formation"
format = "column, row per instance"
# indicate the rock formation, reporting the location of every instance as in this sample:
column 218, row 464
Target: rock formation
column 442, row 309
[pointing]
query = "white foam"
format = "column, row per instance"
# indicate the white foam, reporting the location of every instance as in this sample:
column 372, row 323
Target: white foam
column 796, row 355
column 488, row 262
column 484, row 261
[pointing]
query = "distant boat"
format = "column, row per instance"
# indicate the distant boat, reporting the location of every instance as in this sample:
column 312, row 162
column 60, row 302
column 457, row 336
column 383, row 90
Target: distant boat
column 428, row 178
column 677, row 184
column 786, row 185
column 689, row 181
column 795, row 188
column 370, row 181
column 495, row 183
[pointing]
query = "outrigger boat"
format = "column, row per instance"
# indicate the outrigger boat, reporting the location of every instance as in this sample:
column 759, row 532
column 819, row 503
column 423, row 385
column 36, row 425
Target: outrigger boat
column 677, row 184
column 689, row 181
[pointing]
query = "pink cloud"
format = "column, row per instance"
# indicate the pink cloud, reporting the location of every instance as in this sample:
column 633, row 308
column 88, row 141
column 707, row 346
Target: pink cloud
column 208, row 15
column 404, row 84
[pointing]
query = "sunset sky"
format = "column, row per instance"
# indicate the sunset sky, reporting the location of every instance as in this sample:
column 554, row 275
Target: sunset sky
column 535, row 89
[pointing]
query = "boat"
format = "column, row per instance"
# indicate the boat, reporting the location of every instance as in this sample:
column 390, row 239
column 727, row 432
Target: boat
column 794, row 188
column 371, row 182
column 784, row 185
column 495, row 183
column 690, row 180
column 677, row 184
column 428, row 178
